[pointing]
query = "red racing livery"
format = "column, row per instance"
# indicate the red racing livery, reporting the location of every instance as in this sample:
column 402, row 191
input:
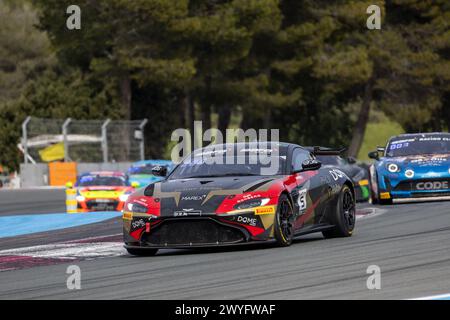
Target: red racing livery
column 224, row 195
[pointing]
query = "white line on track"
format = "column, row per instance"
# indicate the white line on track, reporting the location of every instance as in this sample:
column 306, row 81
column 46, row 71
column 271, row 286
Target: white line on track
column 437, row 297
column 375, row 213
column 69, row 250
column 94, row 238
column 94, row 247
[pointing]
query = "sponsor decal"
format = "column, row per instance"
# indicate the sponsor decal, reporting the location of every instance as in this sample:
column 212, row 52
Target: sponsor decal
column 265, row 210
column 302, row 199
column 103, row 200
column 246, row 197
column 433, row 160
column 194, row 198
column 187, row 212
column 336, row 174
column 141, row 200
column 247, row 220
column 257, row 150
column 187, row 189
column 403, row 141
column 127, row 216
column 138, row 223
column 436, row 185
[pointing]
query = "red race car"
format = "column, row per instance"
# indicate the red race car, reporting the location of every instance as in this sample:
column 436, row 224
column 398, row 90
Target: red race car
column 240, row 200
column 103, row 191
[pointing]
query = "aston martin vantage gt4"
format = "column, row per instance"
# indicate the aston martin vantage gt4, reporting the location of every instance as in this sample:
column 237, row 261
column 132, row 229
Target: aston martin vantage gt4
column 240, row 193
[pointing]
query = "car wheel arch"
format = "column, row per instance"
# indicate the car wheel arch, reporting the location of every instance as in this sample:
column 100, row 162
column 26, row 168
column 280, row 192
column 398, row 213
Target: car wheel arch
column 351, row 186
column 288, row 194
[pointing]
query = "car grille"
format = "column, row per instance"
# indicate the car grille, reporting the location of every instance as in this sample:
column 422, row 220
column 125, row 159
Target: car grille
column 102, row 206
column 188, row 232
column 424, row 185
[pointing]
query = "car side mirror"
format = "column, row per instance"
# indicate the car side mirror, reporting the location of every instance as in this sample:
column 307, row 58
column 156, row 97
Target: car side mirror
column 159, row 171
column 351, row 160
column 311, row 165
column 374, row 155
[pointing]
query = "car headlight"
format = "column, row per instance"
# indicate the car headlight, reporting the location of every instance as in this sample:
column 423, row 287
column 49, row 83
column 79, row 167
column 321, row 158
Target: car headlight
column 409, row 173
column 253, row 203
column 124, row 197
column 134, row 207
column 392, row 167
column 80, row 198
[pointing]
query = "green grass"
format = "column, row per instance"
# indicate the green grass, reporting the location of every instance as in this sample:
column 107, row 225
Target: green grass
column 377, row 134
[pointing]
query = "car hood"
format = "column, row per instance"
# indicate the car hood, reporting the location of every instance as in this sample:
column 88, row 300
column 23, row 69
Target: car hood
column 421, row 160
column 203, row 195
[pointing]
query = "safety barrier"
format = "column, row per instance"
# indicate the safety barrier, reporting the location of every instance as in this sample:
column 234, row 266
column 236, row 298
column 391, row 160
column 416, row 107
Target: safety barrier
column 71, row 199
column 39, row 175
column 60, row 173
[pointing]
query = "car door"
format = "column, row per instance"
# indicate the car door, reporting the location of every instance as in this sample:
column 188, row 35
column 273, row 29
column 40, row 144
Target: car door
column 308, row 192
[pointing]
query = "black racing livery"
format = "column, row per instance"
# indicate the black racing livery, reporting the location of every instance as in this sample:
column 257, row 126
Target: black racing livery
column 358, row 172
column 240, row 193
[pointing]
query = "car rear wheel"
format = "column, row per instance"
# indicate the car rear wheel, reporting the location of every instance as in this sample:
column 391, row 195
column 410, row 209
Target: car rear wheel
column 373, row 179
column 344, row 217
column 385, row 202
column 142, row 252
column 284, row 227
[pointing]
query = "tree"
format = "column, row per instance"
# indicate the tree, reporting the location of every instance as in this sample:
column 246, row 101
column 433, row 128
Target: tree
column 394, row 68
column 24, row 51
column 310, row 68
column 419, row 83
column 57, row 94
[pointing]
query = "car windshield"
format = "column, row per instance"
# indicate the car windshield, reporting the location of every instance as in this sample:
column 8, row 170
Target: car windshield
column 146, row 169
column 328, row 160
column 437, row 144
column 98, row 180
column 228, row 162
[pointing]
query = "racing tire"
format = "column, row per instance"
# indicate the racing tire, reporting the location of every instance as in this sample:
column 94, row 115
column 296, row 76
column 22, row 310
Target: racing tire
column 373, row 181
column 283, row 225
column 142, row 252
column 344, row 217
column 374, row 191
column 385, row 202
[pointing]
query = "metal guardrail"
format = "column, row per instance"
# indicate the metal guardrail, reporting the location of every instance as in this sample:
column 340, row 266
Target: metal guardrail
column 84, row 140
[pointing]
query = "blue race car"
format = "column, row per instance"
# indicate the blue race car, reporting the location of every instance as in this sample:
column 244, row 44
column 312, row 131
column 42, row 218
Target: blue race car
column 141, row 172
column 414, row 167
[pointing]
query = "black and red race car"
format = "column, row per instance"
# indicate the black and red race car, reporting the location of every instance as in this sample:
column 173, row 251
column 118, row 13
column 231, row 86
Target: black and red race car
column 240, row 193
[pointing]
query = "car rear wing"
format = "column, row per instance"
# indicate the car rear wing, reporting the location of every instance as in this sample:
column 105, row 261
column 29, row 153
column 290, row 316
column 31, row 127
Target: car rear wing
column 322, row 151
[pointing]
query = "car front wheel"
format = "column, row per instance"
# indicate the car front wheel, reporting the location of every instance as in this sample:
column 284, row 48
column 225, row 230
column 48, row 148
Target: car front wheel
column 284, row 227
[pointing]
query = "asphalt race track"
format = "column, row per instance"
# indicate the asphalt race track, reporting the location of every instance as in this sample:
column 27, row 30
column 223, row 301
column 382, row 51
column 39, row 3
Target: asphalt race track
column 409, row 242
column 26, row 201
